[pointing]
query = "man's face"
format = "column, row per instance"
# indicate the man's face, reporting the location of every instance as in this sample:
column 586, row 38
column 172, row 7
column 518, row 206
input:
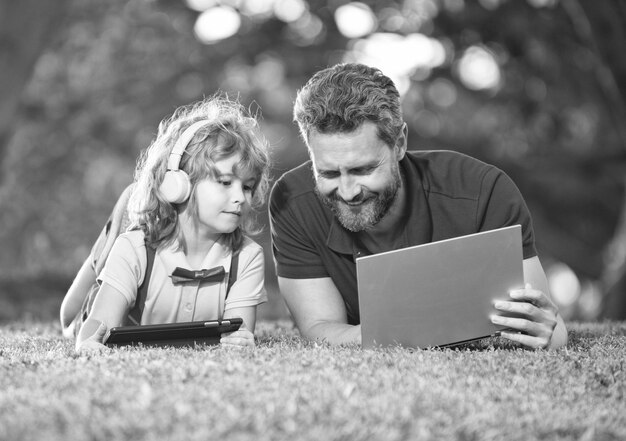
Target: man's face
column 357, row 175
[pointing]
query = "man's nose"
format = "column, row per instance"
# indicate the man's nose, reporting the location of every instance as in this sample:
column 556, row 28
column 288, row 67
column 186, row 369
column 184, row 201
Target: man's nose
column 348, row 188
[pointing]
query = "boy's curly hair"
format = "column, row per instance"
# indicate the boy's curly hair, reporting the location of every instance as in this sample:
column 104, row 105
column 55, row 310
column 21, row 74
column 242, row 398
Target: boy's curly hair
column 230, row 130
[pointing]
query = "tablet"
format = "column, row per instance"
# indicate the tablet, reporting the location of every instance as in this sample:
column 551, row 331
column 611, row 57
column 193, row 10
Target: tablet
column 172, row 334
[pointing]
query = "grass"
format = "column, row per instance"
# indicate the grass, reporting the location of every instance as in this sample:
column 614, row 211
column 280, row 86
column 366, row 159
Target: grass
column 289, row 389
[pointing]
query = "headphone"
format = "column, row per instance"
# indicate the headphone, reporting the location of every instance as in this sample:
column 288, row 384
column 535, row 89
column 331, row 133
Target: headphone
column 176, row 186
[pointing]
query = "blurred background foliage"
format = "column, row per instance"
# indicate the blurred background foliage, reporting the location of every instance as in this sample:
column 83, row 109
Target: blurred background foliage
column 535, row 87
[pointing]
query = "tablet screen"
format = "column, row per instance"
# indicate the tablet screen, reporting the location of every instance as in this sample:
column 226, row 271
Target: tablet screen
column 172, row 334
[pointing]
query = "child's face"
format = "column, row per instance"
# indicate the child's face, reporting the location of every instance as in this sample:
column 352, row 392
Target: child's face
column 223, row 201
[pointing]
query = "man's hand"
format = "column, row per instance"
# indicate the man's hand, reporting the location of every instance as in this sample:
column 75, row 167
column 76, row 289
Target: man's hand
column 531, row 313
column 241, row 337
column 93, row 344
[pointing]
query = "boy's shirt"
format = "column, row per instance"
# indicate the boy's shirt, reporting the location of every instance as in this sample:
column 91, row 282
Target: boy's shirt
column 169, row 302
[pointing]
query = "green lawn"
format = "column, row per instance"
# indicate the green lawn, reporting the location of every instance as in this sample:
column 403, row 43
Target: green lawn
column 288, row 389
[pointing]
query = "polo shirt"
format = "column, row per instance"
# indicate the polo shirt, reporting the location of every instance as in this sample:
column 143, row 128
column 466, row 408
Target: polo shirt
column 449, row 194
column 167, row 302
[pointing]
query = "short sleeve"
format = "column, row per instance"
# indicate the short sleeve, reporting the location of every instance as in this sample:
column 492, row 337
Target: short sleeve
column 502, row 205
column 294, row 253
column 123, row 269
column 249, row 288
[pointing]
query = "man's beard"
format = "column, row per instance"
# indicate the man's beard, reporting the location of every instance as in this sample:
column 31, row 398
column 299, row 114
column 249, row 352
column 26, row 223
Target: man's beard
column 371, row 209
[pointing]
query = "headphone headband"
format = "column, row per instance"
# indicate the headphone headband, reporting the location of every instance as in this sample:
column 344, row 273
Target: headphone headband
column 181, row 144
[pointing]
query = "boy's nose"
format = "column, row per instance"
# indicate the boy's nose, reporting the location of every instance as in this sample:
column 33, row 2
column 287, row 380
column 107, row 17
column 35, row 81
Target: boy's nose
column 238, row 195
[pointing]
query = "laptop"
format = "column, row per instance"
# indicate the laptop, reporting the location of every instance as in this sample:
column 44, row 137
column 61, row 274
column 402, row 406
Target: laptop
column 172, row 334
column 438, row 294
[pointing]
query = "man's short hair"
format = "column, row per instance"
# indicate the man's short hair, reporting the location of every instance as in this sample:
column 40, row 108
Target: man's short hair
column 340, row 98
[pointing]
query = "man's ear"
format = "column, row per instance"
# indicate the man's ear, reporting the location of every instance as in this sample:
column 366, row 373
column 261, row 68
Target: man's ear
column 401, row 142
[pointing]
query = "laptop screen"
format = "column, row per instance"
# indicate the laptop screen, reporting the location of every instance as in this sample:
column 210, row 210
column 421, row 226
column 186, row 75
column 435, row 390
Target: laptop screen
column 439, row 293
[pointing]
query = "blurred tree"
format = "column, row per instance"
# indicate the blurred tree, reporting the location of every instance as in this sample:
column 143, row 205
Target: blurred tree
column 603, row 27
column 548, row 123
column 26, row 29
column 555, row 124
column 105, row 78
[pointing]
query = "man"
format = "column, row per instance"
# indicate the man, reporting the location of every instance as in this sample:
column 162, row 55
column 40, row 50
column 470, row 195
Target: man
column 363, row 193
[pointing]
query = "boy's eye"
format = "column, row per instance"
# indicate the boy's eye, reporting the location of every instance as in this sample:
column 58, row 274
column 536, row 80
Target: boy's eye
column 249, row 185
column 225, row 182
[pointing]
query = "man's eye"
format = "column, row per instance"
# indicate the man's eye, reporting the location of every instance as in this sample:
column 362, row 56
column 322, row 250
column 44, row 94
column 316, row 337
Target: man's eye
column 363, row 171
column 328, row 174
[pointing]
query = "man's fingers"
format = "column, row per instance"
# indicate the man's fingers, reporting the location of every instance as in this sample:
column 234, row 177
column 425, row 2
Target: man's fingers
column 534, row 296
column 522, row 308
column 529, row 333
column 519, row 324
column 530, row 313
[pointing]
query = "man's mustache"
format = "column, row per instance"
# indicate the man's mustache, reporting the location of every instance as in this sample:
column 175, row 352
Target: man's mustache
column 359, row 198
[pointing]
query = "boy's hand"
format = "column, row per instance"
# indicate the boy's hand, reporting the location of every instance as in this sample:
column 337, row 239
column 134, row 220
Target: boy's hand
column 241, row 337
column 93, row 344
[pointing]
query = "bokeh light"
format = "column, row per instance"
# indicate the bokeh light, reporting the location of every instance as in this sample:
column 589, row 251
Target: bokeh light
column 289, row 10
column 478, row 69
column 306, row 30
column 590, row 301
column 391, row 20
column 399, row 57
column 269, row 73
column 543, row 3
column 257, row 8
column 442, row 92
column 200, row 5
column 454, row 6
column 216, row 24
column 355, row 20
column 490, row 4
column 427, row 123
column 564, row 284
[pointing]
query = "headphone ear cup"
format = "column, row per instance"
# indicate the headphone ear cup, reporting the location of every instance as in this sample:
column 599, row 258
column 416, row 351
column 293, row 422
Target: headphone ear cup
column 176, row 186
